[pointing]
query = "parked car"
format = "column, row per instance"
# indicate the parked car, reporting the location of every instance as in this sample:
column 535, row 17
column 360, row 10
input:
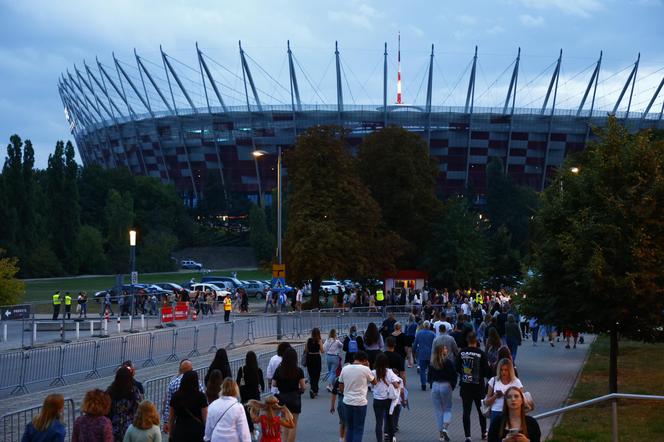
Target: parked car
column 256, row 289
column 331, row 285
column 150, row 289
column 219, row 293
column 190, row 265
column 169, row 286
column 214, row 279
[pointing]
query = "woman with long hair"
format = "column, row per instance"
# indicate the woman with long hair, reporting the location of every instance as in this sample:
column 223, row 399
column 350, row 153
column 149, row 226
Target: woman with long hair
column 250, row 380
column 47, row 425
column 275, row 416
column 443, row 378
column 313, row 349
column 373, row 342
column 387, row 384
column 498, row 386
column 411, row 330
column 333, row 348
column 514, row 425
column 93, row 425
column 188, row 410
column 145, row 427
column 226, row 419
column 400, row 339
column 125, row 397
column 289, row 379
column 220, row 362
column 213, row 385
column 493, row 344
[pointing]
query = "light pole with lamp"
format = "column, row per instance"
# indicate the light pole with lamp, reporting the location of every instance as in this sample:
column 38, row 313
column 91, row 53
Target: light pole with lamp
column 260, row 153
column 256, row 154
column 134, row 275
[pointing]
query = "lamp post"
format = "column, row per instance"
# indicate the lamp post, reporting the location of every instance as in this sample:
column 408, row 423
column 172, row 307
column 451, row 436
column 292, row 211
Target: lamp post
column 132, row 264
column 260, row 153
column 256, row 154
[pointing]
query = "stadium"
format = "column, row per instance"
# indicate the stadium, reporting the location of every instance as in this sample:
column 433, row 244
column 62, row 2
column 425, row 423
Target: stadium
column 184, row 124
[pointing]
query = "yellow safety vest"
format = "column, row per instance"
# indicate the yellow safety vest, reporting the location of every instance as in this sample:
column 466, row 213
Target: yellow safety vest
column 67, row 300
column 379, row 295
column 56, row 299
column 228, row 305
column 479, row 299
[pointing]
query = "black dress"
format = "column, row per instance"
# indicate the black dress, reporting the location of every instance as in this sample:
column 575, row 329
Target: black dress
column 289, row 389
column 313, row 364
column 189, row 424
column 250, row 389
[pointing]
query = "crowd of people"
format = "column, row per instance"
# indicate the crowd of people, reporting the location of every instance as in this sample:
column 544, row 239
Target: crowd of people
column 467, row 340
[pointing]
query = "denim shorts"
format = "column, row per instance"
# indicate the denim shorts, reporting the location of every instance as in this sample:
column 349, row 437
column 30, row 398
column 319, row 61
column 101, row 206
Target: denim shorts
column 341, row 410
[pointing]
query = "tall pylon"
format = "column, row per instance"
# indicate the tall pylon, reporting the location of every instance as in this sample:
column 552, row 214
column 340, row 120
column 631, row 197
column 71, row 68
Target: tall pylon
column 399, row 68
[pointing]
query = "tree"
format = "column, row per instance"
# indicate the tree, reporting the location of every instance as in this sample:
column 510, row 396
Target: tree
column 396, row 166
column 119, row 213
column 334, row 225
column 154, row 253
column 90, row 251
column 599, row 242
column 456, row 256
column 11, row 289
column 260, row 239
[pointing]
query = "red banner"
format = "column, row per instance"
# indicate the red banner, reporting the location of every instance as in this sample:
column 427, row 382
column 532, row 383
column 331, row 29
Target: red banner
column 167, row 314
column 181, row 311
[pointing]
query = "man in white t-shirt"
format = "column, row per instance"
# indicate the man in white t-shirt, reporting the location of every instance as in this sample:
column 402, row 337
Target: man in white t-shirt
column 298, row 300
column 274, row 363
column 354, row 383
column 465, row 307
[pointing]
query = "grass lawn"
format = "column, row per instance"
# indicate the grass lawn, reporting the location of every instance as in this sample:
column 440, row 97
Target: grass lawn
column 640, row 371
column 42, row 289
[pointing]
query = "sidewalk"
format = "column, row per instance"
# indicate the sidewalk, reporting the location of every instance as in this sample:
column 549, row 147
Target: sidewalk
column 547, row 373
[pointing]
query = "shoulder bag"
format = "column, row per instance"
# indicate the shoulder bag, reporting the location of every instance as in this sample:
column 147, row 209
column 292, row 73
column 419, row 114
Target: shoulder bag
column 485, row 408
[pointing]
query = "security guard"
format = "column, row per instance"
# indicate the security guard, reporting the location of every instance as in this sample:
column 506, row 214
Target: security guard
column 478, row 298
column 67, row 306
column 56, row 304
column 380, row 297
column 228, row 306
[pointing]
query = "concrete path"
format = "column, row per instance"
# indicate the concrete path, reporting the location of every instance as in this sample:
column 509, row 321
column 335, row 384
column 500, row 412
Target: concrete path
column 547, row 373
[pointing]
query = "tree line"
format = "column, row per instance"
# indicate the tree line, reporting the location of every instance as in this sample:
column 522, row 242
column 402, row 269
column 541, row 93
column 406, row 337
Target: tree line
column 70, row 220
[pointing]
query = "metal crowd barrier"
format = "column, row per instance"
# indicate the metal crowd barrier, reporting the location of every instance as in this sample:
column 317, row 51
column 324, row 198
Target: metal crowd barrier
column 13, row 424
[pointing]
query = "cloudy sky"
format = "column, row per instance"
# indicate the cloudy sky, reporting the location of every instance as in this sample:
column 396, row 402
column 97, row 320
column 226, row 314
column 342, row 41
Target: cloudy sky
column 39, row 40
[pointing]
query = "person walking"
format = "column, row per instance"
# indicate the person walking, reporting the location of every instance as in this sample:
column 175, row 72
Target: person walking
column 228, row 307
column 250, row 380
column 446, row 340
column 337, row 397
column 422, row 348
column 443, row 377
column 473, row 368
column 125, row 398
column 373, row 342
column 383, row 396
column 83, row 304
column 226, row 418
column 47, row 425
column 67, row 306
column 220, row 362
column 411, row 330
column 93, row 425
column 352, row 344
column 498, row 386
column 188, row 410
column 353, row 383
column 289, row 379
column 333, row 348
column 514, row 425
column 513, row 336
column 275, row 417
column 274, row 363
column 145, row 427
column 213, row 385
column 269, row 304
column 313, row 349
column 57, row 300
column 173, row 386
column 534, row 330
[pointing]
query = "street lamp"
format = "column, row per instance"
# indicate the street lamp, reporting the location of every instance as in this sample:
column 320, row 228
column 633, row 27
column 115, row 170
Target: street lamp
column 132, row 263
column 260, row 153
column 257, row 154
column 574, row 170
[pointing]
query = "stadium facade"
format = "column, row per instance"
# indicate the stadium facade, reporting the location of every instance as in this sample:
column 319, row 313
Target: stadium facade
column 128, row 115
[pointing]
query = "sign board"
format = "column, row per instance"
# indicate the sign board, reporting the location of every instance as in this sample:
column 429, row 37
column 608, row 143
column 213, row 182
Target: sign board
column 181, row 311
column 134, row 277
column 278, row 270
column 278, row 284
column 166, row 314
column 13, row 312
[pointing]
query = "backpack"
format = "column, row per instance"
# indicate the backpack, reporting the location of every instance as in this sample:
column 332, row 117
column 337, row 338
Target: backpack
column 352, row 346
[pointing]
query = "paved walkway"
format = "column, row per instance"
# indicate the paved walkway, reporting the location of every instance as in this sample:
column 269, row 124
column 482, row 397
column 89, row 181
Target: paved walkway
column 547, row 373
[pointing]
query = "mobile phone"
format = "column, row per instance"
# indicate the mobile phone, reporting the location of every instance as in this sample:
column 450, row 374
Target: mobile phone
column 513, row 431
column 499, row 393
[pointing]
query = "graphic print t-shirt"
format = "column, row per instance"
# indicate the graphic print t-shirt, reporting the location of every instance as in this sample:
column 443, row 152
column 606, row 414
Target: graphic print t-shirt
column 472, row 365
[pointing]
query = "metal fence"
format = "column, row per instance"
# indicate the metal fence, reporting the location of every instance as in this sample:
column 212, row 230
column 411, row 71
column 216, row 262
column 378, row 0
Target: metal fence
column 13, row 424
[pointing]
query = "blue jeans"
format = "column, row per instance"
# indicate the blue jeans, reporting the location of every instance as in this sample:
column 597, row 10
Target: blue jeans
column 355, row 416
column 424, row 366
column 332, row 364
column 495, row 416
column 441, row 394
column 382, row 411
column 513, row 346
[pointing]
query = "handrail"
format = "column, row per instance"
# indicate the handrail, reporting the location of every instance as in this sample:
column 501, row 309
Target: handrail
column 597, row 400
